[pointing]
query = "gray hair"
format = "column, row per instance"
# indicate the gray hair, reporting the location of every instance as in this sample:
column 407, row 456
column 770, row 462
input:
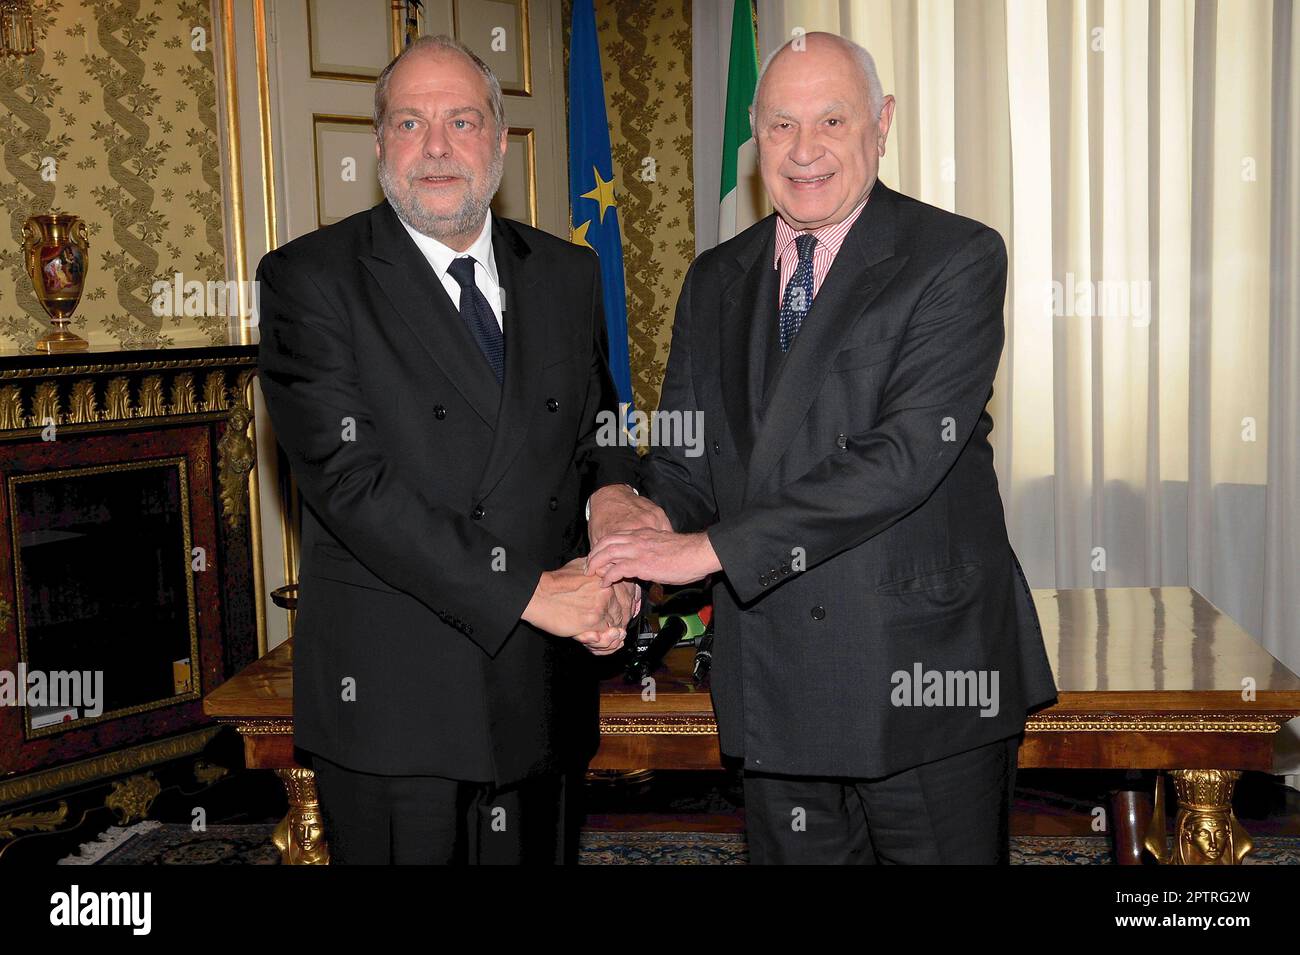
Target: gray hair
column 865, row 61
column 441, row 43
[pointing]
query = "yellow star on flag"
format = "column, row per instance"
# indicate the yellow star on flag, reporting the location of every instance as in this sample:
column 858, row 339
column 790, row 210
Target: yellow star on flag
column 579, row 235
column 603, row 193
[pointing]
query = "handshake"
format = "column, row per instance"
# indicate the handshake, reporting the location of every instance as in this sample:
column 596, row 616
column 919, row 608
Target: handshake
column 592, row 599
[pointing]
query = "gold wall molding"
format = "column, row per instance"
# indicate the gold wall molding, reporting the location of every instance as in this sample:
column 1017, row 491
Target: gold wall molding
column 264, row 122
column 235, row 181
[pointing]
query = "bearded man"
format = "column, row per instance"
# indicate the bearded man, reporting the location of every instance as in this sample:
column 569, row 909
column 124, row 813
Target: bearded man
column 434, row 374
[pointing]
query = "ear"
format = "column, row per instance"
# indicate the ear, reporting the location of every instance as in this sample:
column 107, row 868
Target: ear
column 884, row 122
column 379, row 147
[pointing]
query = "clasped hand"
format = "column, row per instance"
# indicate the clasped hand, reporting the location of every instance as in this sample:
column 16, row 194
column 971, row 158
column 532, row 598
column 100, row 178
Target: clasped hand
column 569, row 602
column 632, row 539
column 593, row 599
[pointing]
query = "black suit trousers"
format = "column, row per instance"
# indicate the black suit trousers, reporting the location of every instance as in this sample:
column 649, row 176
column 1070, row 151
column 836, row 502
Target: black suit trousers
column 373, row 819
column 952, row 811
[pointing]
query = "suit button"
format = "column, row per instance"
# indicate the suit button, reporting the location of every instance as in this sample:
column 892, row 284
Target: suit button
column 841, row 441
column 552, row 405
column 717, row 448
column 785, row 570
column 553, row 503
column 818, row 613
column 478, row 512
column 439, row 412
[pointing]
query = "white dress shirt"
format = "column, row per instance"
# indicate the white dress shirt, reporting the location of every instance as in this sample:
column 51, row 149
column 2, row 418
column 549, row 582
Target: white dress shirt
column 440, row 257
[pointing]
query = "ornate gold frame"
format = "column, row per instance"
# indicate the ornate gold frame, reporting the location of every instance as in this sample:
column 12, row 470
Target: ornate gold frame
column 20, row 619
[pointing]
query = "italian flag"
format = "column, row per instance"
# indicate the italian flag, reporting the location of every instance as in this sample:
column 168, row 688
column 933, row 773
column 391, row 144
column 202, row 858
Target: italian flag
column 743, row 202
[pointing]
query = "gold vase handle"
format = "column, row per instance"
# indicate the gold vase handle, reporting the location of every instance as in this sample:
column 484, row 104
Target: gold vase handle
column 32, row 237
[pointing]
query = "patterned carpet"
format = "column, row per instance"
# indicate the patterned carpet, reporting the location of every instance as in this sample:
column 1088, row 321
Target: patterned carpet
column 154, row 843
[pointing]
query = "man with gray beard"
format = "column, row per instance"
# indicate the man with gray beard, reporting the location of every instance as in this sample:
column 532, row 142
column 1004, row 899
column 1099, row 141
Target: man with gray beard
column 439, row 414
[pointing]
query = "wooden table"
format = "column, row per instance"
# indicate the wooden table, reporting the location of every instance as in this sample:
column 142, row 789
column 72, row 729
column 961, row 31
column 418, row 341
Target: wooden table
column 1149, row 678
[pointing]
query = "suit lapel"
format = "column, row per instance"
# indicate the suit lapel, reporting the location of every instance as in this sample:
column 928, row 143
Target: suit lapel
column 864, row 265
column 519, row 272
column 741, row 356
column 423, row 304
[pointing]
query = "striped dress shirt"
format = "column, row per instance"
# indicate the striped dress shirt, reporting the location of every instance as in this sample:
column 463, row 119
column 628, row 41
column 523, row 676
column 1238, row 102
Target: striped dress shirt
column 829, row 240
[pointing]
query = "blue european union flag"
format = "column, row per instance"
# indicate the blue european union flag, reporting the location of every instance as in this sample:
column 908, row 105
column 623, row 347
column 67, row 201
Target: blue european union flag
column 593, row 210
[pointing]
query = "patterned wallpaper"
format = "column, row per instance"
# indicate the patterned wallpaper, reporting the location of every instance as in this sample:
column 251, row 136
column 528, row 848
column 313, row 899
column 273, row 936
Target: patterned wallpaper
column 121, row 95
column 645, row 49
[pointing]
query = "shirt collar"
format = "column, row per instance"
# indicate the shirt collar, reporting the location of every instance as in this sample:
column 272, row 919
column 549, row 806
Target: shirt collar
column 829, row 237
column 440, row 255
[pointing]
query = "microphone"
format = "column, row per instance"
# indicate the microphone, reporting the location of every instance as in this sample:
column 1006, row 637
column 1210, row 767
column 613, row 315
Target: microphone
column 648, row 653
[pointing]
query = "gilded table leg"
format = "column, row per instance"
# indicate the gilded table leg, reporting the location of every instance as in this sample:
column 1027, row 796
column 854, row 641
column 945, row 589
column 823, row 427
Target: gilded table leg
column 300, row 836
column 1206, row 831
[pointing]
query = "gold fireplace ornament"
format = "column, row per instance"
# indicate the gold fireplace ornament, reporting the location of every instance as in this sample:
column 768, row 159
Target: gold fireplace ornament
column 17, row 37
column 56, row 250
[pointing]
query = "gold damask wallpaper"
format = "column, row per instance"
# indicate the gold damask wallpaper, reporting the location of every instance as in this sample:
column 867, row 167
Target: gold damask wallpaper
column 114, row 119
column 645, row 50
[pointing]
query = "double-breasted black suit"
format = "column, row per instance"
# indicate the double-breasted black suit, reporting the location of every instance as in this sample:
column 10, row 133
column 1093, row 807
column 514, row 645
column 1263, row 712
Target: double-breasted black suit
column 849, row 492
column 434, row 497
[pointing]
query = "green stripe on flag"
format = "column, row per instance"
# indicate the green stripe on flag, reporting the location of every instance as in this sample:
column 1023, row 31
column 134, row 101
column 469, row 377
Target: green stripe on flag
column 742, row 79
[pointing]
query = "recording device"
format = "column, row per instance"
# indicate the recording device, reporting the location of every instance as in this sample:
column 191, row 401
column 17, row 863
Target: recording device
column 647, row 653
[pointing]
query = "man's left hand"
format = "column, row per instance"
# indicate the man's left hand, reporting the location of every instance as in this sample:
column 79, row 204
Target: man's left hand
column 654, row 555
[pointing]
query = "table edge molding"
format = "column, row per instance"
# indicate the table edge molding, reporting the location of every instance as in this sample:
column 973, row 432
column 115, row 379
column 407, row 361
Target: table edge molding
column 1264, row 723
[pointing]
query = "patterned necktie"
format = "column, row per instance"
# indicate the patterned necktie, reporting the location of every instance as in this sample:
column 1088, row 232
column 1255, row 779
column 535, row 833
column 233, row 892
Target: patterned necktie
column 798, row 295
column 477, row 315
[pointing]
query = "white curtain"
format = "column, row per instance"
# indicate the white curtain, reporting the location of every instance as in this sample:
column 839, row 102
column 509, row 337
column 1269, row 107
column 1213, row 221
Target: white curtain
column 1142, row 160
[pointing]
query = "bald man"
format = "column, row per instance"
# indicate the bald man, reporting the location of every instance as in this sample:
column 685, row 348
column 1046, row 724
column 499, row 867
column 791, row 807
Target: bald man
column 877, row 648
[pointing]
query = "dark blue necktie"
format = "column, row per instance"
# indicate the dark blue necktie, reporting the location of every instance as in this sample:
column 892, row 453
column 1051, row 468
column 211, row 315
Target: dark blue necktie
column 798, row 291
column 477, row 315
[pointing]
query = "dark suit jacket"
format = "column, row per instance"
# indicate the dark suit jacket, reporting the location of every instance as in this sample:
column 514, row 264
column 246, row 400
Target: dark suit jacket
column 434, row 498
column 850, row 495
